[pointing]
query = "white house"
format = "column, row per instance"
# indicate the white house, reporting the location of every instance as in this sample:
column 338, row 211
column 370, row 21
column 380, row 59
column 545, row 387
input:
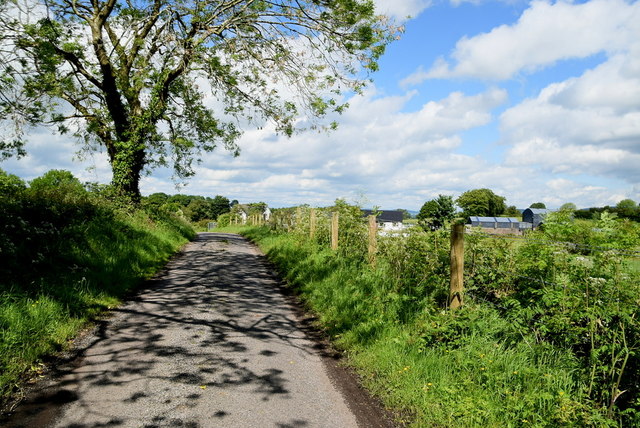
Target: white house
column 388, row 221
column 242, row 210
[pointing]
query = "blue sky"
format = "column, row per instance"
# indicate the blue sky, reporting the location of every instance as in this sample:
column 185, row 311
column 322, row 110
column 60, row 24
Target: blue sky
column 539, row 101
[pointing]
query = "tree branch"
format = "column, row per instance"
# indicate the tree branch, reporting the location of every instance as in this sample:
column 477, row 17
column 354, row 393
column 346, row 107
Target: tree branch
column 141, row 36
column 109, row 84
column 75, row 62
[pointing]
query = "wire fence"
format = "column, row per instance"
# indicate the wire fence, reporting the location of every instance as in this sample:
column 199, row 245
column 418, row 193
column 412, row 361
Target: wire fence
column 620, row 255
column 580, row 297
column 571, row 245
column 309, row 221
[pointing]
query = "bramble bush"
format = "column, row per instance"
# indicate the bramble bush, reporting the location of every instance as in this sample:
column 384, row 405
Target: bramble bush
column 573, row 287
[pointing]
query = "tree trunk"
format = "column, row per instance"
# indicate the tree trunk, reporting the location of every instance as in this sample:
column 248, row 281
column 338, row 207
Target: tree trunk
column 126, row 164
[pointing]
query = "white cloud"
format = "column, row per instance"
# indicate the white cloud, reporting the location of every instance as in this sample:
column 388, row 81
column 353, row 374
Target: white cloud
column 46, row 151
column 590, row 123
column 401, row 9
column 574, row 159
column 556, row 144
column 391, row 155
column 395, row 158
column 559, row 191
column 544, row 34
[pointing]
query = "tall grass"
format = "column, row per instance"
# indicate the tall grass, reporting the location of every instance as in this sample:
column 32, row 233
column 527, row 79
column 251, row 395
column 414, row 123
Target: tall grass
column 67, row 255
column 514, row 357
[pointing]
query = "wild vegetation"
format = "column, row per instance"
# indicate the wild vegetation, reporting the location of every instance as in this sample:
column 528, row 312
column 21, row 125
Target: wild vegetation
column 549, row 334
column 68, row 254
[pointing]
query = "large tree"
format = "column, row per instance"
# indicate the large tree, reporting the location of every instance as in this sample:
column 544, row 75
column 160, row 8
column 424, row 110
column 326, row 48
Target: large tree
column 218, row 206
column 159, row 82
column 435, row 213
column 538, row 205
column 627, row 208
column 482, row 202
column 568, row 206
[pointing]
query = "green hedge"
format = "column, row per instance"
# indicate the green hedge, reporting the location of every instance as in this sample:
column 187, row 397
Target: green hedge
column 67, row 255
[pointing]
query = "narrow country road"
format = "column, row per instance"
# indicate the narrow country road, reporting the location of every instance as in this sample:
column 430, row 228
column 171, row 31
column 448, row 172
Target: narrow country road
column 212, row 342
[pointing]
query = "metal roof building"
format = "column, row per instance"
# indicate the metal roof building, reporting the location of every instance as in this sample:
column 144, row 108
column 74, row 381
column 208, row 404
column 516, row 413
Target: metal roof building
column 495, row 222
column 503, row 223
column 385, row 216
column 535, row 216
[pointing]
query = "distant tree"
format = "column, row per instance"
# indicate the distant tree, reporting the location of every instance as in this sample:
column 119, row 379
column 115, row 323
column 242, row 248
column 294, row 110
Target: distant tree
column 569, row 206
column 482, row 202
column 182, row 200
column 10, row 184
column 198, row 209
column 174, row 207
column 234, row 203
column 592, row 213
column 57, row 182
column 584, row 214
column 405, row 214
column 627, row 208
column 436, row 212
column 538, row 205
column 156, row 199
column 218, row 206
column 512, row 211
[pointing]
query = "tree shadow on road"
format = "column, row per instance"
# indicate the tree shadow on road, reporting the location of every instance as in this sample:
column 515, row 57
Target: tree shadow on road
column 213, row 325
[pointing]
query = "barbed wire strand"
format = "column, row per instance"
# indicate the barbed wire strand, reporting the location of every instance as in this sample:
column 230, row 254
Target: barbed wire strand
column 574, row 245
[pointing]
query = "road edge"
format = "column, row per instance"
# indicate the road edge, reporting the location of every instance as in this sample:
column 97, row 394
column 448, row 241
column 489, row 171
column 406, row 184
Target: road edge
column 368, row 410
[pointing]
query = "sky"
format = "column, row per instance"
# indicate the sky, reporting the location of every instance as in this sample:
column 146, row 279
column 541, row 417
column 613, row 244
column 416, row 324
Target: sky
column 538, row 101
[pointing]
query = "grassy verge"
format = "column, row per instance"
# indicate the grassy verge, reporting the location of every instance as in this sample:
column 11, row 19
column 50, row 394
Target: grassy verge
column 477, row 367
column 66, row 258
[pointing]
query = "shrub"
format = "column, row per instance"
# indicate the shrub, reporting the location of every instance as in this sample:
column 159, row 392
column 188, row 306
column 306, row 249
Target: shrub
column 224, row 220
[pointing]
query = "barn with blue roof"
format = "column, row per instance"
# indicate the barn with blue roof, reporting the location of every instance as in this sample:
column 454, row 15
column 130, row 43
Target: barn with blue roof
column 535, row 216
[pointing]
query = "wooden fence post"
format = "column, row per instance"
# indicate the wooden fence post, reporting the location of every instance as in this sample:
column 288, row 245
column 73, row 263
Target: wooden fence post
column 334, row 231
column 296, row 221
column 373, row 240
column 312, row 223
column 457, row 266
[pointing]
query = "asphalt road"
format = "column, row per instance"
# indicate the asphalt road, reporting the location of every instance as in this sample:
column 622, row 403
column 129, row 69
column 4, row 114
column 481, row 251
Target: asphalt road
column 212, row 342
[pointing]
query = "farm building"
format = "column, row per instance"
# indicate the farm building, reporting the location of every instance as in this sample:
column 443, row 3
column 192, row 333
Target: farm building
column 535, row 216
column 387, row 220
column 499, row 224
column 495, row 222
